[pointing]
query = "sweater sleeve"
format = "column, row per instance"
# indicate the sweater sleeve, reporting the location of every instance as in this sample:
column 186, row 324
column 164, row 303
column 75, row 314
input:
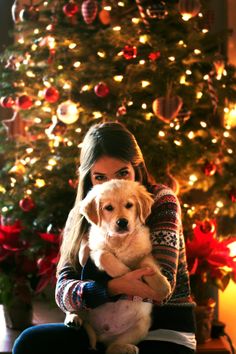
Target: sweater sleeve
column 73, row 294
column 166, row 229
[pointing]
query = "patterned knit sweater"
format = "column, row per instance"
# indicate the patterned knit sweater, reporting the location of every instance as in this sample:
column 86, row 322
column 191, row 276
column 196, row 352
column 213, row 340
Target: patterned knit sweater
column 88, row 289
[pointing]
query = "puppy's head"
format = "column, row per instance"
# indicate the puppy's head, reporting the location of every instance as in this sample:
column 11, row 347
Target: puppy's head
column 117, row 206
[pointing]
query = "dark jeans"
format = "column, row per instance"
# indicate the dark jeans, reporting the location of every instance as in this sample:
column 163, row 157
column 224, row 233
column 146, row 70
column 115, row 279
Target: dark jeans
column 59, row 339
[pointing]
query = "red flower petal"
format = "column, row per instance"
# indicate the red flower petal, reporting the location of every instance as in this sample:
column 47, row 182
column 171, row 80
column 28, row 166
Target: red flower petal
column 53, row 238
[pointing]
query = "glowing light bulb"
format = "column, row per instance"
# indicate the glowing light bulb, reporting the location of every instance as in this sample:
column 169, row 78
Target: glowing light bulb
column 118, row 78
column 72, row 45
column 39, row 183
column 145, row 83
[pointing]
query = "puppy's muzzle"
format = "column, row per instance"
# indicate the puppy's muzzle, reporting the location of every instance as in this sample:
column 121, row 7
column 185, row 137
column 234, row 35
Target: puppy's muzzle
column 122, row 224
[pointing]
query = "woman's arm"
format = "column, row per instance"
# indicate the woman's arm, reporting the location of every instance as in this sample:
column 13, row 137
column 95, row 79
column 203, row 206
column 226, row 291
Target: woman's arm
column 73, row 294
column 166, row 229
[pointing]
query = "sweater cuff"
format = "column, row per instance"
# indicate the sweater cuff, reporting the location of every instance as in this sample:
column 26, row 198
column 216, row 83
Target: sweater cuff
column 95, row 294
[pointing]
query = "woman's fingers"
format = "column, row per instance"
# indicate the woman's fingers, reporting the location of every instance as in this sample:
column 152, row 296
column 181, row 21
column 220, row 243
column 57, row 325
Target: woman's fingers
column 131, row 284
column 141, row 272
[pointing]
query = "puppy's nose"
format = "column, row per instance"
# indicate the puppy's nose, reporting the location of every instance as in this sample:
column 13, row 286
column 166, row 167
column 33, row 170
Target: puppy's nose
column 122, row 223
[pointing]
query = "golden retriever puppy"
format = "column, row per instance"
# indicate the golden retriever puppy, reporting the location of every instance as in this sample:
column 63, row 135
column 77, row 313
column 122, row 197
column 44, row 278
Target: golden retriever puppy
column 119, row 242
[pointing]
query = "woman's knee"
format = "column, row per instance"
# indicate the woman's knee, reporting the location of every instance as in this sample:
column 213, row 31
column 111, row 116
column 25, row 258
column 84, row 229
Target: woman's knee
column 50, row 338
column 25, row 342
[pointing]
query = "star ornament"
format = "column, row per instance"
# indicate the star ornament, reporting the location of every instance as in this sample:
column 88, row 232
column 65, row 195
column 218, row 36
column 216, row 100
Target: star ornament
column 15, row 126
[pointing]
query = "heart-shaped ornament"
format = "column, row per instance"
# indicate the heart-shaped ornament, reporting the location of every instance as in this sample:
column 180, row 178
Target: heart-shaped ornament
column 167, row 108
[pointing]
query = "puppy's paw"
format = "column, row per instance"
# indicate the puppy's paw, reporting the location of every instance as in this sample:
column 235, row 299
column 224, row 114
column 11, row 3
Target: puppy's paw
column 160, row 284
column 119, row 271
column 122, row 349
column 73, row 320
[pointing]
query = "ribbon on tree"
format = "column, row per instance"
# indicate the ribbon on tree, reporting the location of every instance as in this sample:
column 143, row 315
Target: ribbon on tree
column 212, row 91
column 142, row 12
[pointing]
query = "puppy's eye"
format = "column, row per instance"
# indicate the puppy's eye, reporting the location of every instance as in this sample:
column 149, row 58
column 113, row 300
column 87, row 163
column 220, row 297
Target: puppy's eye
column 109, row 207
column 129, row 205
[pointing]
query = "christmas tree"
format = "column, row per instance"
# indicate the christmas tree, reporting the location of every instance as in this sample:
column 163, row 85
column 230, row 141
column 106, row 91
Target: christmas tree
column 154, row 66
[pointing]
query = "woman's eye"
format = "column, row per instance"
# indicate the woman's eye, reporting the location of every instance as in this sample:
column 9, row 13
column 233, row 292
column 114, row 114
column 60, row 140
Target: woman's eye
column 123, row 174
column 129, row 205
column 100, row 178
column 109, row 207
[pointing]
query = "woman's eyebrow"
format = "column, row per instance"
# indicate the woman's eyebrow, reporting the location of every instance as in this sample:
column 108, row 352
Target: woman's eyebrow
column 122, row 169
column 98, row 173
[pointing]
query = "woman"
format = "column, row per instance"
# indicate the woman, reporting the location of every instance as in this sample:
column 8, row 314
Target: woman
column 110, row 151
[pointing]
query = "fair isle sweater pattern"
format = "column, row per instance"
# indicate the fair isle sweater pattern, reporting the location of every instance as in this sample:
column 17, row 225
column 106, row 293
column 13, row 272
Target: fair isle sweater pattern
column 74, row 291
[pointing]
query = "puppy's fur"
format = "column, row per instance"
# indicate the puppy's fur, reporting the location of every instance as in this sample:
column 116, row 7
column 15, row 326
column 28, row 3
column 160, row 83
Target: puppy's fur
column 119, row 242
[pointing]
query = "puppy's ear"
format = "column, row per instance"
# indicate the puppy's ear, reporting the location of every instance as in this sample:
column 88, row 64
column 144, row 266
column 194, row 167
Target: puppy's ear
column 144, row 203
column 89, row 208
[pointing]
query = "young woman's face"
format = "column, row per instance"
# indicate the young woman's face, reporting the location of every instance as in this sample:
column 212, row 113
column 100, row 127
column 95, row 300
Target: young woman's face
column 107, row 168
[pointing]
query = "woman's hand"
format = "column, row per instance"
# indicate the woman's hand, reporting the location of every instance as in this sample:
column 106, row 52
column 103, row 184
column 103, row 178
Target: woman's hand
column 131, row 284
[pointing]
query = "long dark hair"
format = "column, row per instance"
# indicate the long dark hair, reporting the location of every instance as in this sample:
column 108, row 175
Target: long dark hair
column 105, row 139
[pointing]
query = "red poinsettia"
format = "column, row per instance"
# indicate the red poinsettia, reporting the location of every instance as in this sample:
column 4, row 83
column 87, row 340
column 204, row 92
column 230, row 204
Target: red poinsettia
column 31, row 257
column 209, row 258
column 48, row 262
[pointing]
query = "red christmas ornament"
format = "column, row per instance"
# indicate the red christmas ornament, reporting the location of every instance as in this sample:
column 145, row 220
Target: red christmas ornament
column 101, row 89
column 7, row 102
column 232, row 194
column 24, row 102
column 89, row 10
column 207, row 226
column 73, row 183
column 121, row 111
column 129, row 52
column 104, row 17
column 154, row 55
column 26, row 204
column 209, row 168
column 70, row 9
column 51, row 94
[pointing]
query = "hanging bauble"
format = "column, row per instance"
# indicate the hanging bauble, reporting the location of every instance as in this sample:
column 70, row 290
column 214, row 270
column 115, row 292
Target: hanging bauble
column 189, row 8
column 73, row 183
column 67, row 112
column 154, row 55
column 15, row 126
column 209, row 168
column 232, row 194
column 207, row 226
column 157, row 11
column 130, row 52
column 101, row 89
column 51, row 94
column 89, row 10
column 29, row 13
column 104, row 17
column 27, row 204
column 15, row 10
column 24, row 102
column 70, row 9
column 7, row 102
column 167, row 108
column 121, row 111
